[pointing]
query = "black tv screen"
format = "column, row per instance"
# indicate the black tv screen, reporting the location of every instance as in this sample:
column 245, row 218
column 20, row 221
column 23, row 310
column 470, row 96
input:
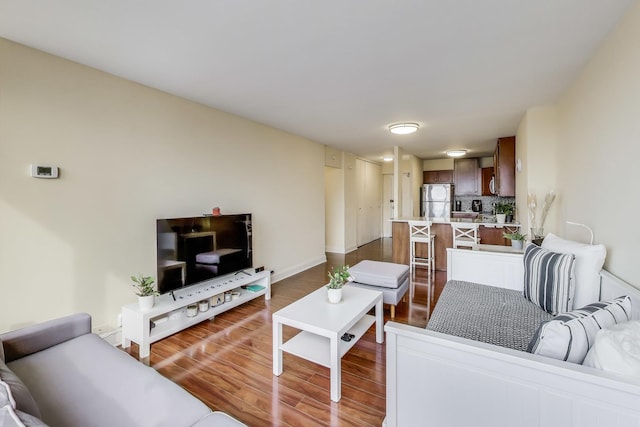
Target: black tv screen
column 196, row 249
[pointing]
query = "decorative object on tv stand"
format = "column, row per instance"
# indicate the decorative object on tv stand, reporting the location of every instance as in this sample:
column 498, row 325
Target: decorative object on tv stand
column 337, row 279
column 537, row 231
column 145, row 291
column 517, row 239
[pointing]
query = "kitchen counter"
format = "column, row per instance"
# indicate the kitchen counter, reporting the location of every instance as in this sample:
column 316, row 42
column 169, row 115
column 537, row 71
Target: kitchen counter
column 483, row 220
column 490, row 233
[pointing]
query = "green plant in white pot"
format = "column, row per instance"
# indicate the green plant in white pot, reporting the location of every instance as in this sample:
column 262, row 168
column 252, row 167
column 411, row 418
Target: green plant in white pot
column 145, row 290
column 337, row 279
column 517, row 239
column 502, row 210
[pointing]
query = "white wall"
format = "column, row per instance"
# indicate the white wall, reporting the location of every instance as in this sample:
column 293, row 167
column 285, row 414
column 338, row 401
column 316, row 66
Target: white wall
column 598, row 134
column 437, row 164
column 128, row 155
column 334, row 209
column 417, row 178
column 537, row 145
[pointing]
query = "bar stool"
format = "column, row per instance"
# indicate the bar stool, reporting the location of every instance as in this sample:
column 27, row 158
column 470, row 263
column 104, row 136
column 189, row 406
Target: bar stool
column 465, row 234
column 420, row 232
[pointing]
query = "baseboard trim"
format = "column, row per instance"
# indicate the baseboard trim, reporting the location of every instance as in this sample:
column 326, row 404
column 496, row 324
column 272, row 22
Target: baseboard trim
column 283, row 274
column 340, row 250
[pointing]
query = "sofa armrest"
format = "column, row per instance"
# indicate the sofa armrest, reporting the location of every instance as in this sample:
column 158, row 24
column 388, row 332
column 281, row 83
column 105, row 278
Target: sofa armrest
column 31, row 339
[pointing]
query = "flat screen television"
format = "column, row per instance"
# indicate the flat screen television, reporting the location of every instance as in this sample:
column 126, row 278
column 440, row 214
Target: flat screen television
column 193, row 250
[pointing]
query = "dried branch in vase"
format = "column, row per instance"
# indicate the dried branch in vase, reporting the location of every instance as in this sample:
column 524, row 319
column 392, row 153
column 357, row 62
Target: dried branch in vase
column 548, row 201
column 532, row 204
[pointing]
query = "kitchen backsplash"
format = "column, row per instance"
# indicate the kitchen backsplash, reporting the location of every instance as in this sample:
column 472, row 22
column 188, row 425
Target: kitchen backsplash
column 487, row 202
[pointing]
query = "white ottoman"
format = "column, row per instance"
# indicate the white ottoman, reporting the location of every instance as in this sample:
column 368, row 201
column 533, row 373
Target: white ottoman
column 386, row 277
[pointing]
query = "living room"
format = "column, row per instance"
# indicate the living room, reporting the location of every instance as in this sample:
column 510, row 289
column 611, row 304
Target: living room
column 129, row 154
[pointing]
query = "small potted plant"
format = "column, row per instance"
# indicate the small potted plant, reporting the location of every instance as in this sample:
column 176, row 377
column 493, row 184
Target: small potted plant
column 502, row 210
column 517, row 239
column 337, row 279
column 145, row 291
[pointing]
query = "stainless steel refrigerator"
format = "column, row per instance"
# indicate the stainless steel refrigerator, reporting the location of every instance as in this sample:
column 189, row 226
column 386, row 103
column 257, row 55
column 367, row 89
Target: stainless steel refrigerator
column 436, row 200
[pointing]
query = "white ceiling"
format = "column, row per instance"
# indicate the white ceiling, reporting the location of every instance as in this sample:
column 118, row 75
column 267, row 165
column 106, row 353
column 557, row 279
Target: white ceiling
column 337, row 71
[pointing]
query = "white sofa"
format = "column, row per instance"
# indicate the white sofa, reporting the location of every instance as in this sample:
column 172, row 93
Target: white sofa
column 444, row 380
column 75, row 378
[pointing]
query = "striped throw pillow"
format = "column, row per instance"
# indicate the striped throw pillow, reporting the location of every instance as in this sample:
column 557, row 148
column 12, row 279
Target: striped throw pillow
column 569, row 336
column 549, row 279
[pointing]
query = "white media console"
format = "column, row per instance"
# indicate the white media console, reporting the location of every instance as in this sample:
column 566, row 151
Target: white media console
column 170, row 316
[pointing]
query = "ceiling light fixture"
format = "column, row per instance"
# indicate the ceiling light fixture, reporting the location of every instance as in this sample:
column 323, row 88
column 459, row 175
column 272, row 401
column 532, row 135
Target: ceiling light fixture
column 456, row 153
column 403, row 128
column 387, row 158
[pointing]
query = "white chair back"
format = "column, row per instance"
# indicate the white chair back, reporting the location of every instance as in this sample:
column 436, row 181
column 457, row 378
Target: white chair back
column 465, row 234
column 420, row 232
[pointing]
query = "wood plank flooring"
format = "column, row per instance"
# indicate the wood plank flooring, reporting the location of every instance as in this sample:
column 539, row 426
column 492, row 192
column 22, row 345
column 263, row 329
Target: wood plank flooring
column 227, row 362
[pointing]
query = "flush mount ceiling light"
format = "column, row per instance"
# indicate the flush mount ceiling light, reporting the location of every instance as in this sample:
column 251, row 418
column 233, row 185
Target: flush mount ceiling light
column 387, row 158
column 456, row 153
column 403, row 128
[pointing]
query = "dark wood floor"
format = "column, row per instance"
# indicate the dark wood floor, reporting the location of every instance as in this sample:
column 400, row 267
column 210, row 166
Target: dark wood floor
column 227, row 362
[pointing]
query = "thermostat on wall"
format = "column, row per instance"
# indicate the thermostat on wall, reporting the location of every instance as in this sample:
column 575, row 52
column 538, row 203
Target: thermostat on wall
column 42, row 171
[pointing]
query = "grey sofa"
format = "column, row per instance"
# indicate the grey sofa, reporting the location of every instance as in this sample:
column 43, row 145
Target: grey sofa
column 66, row 376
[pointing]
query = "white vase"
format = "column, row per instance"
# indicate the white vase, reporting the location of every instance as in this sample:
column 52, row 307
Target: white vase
column 517, row 244
column 500, row 218
column 146, row 303
column 334, row 295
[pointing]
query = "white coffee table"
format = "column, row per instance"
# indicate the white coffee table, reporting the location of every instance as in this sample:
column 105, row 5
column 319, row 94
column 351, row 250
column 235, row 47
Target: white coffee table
column 322, row 324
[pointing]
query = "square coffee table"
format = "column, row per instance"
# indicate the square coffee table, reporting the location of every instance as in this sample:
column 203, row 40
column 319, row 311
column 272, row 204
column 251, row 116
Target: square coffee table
column 322, row 325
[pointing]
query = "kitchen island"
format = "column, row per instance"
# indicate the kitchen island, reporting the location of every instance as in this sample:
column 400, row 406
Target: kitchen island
column 490, row 233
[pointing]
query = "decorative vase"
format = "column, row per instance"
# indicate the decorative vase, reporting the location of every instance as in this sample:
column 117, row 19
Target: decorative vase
column 537, row 232
column 500, row 218
column 146, row 303
column 334, row 295
column 517, row 244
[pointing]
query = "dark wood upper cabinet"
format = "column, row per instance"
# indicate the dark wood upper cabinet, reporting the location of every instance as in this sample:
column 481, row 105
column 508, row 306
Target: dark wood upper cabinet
column 466, row 177
column 504, row 164
column 438, row 177
column 487, row 175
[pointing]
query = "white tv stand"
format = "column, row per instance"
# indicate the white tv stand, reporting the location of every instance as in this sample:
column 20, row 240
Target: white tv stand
column 170, row 316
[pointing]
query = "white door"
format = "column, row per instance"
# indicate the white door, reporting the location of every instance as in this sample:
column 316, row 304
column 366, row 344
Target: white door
column 387, row 204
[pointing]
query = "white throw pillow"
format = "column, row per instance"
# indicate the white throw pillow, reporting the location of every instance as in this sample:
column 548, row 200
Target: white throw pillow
column 617, row 349
column 570, row 336
column 588, row 263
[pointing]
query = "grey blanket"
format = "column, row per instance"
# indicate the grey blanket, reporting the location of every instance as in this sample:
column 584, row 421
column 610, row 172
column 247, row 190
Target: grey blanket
column 485, row 313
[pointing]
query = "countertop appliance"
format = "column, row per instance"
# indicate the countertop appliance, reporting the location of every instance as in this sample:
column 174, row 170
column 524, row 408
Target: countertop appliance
column 476, row 205
column 436, row 200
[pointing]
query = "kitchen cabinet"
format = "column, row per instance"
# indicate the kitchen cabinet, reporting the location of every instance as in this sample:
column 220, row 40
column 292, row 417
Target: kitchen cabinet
column 493, row 236
column 504, row 165
column 438, row 177
column 487, row 175
column 466, row 177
